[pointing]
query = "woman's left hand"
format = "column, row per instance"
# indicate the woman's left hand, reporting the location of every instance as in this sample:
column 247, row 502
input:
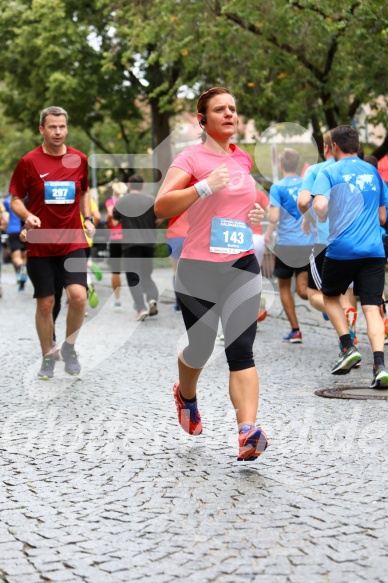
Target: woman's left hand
column 256, row 215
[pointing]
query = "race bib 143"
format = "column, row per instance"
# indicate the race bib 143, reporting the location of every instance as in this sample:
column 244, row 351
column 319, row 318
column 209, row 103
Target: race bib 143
column 230, row 236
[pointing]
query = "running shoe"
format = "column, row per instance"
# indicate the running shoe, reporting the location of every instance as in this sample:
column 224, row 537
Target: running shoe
column 47, row 369
column 380, row 377
column 22, row 277
column 252, row 443
column 69, row 355
column 188, row 415
column 221, row 337
column 153, row 308
column 293, row 337
column 262, row 311
column 347, row 360
column 141, row 315
column 177, row 307
column 354, row 340
column 117, row 304
column 92, row 296
column 96, row 270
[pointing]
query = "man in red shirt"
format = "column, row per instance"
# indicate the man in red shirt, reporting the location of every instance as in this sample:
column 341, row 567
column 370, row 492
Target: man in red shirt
column 55, row 178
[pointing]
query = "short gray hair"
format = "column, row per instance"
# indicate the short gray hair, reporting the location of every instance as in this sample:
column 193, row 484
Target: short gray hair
column 52, row 110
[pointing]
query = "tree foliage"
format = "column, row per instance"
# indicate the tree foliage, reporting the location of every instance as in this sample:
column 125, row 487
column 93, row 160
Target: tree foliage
column 111, row 62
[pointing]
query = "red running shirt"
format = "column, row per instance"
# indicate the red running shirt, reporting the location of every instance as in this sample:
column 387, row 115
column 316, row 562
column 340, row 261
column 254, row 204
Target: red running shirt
column 62, row 221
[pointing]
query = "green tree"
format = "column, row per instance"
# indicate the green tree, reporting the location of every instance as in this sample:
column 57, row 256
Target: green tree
column 311, row 61
column 119, row 66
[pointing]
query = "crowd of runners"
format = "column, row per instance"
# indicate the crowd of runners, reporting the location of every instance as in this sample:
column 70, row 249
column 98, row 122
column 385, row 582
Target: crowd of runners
column 329, row 227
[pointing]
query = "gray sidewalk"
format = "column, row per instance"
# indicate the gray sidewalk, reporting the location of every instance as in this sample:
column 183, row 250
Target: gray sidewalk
column 100, row 484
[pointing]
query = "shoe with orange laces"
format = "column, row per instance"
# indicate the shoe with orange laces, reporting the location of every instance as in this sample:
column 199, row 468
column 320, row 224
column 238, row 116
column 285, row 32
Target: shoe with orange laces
column 188, row 415
column 252, row 442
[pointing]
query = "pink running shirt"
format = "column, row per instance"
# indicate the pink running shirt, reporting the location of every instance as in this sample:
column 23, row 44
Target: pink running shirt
column 233, row 202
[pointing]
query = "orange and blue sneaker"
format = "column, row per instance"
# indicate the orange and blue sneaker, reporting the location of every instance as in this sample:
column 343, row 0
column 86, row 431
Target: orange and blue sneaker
column 252, row 442
column 188, row 415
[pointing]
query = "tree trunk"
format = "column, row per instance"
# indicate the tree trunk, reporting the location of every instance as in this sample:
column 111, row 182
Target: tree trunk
column 317, row 134
column 382, row 150
column 161, row 143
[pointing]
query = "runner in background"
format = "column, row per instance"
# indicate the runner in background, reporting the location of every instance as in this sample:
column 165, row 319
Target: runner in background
column 3, row 226
column 384, row 230
column 350, row 194
column 92, row 267
column 115, row 239
column 55, row 177
column 17, row 248
column 293, row 248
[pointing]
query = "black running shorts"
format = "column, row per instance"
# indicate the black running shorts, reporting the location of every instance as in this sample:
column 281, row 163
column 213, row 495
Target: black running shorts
column 290, row 260
column 47, row 273
column 14, row 243
column 368, row 275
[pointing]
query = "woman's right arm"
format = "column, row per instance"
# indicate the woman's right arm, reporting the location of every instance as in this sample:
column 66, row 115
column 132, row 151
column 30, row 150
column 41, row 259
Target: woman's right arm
column 175, row 196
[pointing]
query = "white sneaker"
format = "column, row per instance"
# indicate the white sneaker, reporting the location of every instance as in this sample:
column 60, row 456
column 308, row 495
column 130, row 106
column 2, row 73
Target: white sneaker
column 140, row 316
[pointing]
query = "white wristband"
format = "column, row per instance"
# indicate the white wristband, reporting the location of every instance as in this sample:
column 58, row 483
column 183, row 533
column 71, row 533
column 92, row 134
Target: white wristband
column 203, row 188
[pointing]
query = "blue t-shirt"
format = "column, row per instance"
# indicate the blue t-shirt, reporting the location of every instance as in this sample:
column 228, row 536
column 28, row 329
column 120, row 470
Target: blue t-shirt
column 309, row 177
column 355, row 193
column 284, row 195
column 14, row 224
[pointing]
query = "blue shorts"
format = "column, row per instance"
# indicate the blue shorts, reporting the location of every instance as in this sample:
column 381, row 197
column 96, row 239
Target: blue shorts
column 176, row 244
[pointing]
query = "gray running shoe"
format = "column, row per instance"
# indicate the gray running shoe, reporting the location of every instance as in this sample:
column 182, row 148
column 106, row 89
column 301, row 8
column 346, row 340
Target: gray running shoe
column 69, row 355
column 347, row 360
column 380, row 377
column 47, row 369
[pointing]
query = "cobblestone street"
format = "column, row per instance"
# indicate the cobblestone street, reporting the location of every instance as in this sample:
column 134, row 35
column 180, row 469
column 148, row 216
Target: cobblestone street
column 100, row 484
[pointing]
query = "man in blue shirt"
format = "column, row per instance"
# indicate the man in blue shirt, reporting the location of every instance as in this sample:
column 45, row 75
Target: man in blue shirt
column 293, row 248
column 350, row 193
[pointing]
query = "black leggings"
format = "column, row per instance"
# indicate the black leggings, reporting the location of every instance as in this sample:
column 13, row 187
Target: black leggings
column 209, row 291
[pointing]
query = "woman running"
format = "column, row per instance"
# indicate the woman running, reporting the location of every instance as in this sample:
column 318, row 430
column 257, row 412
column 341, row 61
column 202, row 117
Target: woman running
column 218, row 276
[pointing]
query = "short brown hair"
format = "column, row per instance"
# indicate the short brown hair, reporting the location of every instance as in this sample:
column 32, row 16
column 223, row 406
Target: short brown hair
column 289, row 159
column 206, row 97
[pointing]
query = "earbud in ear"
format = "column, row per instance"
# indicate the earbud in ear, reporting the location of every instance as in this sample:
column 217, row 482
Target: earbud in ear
column 203, row 120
